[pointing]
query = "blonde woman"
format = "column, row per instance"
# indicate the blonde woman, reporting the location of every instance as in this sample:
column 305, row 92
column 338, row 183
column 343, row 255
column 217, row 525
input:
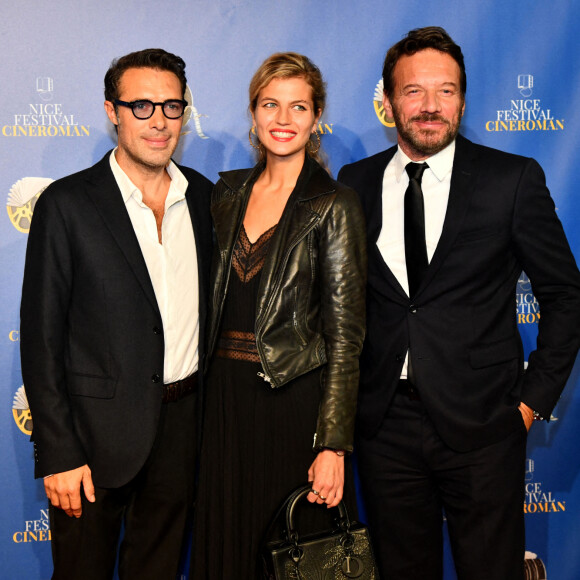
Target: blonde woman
column 286, row 326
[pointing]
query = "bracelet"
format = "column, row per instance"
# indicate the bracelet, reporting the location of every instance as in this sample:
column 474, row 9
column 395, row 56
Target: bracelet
column 339, row 452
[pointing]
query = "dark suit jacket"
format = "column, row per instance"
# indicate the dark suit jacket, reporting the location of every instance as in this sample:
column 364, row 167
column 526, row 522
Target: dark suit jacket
column 92, row 344
column 468, row 356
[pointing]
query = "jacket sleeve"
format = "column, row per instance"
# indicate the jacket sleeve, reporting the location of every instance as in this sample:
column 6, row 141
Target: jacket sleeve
column 343, row 267
column 544, row 253
column 47, row 287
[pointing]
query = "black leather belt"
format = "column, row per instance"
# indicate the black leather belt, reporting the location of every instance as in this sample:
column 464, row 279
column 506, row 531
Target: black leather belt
column 406, row 387
column 179, row 389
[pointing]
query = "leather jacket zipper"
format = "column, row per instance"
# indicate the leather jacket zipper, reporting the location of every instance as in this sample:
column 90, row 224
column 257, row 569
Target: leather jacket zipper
column 266, row 378
column 273, row 290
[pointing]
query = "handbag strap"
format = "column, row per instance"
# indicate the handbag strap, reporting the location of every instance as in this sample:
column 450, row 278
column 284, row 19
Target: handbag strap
column 282, row 508
column 291, row 505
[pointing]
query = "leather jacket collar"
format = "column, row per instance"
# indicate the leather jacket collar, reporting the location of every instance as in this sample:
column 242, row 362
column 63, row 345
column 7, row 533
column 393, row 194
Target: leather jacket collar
column 319, row 181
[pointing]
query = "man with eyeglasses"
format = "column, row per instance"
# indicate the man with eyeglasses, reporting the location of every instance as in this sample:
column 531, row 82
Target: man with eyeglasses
column 112, row 320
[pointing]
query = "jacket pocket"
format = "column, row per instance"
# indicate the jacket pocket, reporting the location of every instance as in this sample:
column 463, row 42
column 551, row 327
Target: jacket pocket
column 91, row 386
column 477, row 235
column 298, row 319
column 493, row 354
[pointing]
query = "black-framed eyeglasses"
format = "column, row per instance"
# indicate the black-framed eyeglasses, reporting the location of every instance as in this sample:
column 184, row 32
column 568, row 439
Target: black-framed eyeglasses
column 144, row 109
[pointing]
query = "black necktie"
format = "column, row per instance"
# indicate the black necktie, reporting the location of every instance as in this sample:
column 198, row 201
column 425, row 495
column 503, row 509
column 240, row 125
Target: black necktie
column 415, row 246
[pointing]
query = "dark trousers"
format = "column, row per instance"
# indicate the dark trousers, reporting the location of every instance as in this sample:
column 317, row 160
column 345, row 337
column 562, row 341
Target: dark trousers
column 155, row 508
column 410, row 478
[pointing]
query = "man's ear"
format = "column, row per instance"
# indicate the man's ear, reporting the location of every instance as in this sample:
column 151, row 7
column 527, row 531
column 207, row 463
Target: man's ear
column 111, row 112
column 387, row 106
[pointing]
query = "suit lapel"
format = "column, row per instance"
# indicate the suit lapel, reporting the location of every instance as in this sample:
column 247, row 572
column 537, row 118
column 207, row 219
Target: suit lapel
column 198, row 228
column 105, row 194
column 201, row 220
column 379, row 271
column 373, row 201
column 460, row 195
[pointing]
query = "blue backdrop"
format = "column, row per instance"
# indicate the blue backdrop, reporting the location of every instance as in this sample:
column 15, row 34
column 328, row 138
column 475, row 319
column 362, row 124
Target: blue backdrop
column 523, row 86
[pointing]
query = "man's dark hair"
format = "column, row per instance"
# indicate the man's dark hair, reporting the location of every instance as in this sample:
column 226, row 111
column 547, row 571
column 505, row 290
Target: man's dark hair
column 418, row 39
column 156, row 58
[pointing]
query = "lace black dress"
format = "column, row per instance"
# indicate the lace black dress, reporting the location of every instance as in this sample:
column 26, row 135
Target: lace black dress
column 257, row 441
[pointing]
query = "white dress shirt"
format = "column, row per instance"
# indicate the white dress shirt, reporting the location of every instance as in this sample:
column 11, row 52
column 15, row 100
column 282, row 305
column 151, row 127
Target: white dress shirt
column 172, row 267
column 435, row 185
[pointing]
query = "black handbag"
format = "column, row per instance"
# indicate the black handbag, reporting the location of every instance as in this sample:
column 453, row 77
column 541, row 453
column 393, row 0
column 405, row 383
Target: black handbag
column 338, row 554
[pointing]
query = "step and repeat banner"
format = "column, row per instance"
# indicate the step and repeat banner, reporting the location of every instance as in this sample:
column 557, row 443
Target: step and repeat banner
column 523, row 90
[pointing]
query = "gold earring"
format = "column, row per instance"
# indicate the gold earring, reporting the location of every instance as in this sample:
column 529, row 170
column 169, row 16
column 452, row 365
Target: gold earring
column 313, row 149
column 253, row 131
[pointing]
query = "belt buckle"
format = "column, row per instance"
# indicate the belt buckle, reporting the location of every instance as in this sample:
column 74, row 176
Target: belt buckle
column 171, row 392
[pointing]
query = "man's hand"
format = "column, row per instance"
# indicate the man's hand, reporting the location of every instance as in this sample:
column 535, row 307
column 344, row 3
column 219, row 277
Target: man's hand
column 64, row 489
column 527, row 414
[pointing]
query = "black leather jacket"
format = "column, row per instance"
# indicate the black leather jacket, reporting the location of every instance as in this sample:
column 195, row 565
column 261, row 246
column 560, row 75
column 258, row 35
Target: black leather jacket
column 310, row 310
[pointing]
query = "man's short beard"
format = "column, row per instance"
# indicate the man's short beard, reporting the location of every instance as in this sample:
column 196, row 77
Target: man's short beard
column 425, row 147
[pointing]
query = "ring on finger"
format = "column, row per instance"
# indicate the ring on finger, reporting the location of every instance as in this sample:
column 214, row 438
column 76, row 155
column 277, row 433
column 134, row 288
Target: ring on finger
column 322, row 498
column 315, row 492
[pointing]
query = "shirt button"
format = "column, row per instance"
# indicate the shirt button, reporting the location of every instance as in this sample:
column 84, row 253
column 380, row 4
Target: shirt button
column 155, row 378
column 413, row 309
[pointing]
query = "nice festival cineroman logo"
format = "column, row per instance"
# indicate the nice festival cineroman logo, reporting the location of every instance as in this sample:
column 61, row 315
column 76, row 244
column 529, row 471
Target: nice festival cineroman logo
column 45, row 118
column 525, row 113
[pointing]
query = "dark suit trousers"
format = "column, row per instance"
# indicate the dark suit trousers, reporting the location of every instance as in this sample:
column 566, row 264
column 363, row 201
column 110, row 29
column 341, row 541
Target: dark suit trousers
column 410, row 478
column 155, row 509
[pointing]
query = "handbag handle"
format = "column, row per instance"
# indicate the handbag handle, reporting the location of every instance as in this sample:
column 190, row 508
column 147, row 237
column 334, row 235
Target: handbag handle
column 292, row 503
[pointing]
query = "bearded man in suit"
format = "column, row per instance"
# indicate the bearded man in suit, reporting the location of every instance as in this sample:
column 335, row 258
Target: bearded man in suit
column 444, row 404
column 112, row 320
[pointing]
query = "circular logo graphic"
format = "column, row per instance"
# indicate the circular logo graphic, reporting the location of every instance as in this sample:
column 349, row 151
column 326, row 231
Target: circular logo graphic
column 379, row 109
column 191, row 114
column 21, row 411
column 22, row 199
column 534, row 567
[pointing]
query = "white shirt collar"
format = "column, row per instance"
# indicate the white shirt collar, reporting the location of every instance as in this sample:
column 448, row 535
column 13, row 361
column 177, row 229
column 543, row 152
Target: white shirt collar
column 440, row 164
column 128, row 188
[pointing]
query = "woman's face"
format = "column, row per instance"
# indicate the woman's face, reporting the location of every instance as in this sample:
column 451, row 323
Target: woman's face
column 284, row 117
